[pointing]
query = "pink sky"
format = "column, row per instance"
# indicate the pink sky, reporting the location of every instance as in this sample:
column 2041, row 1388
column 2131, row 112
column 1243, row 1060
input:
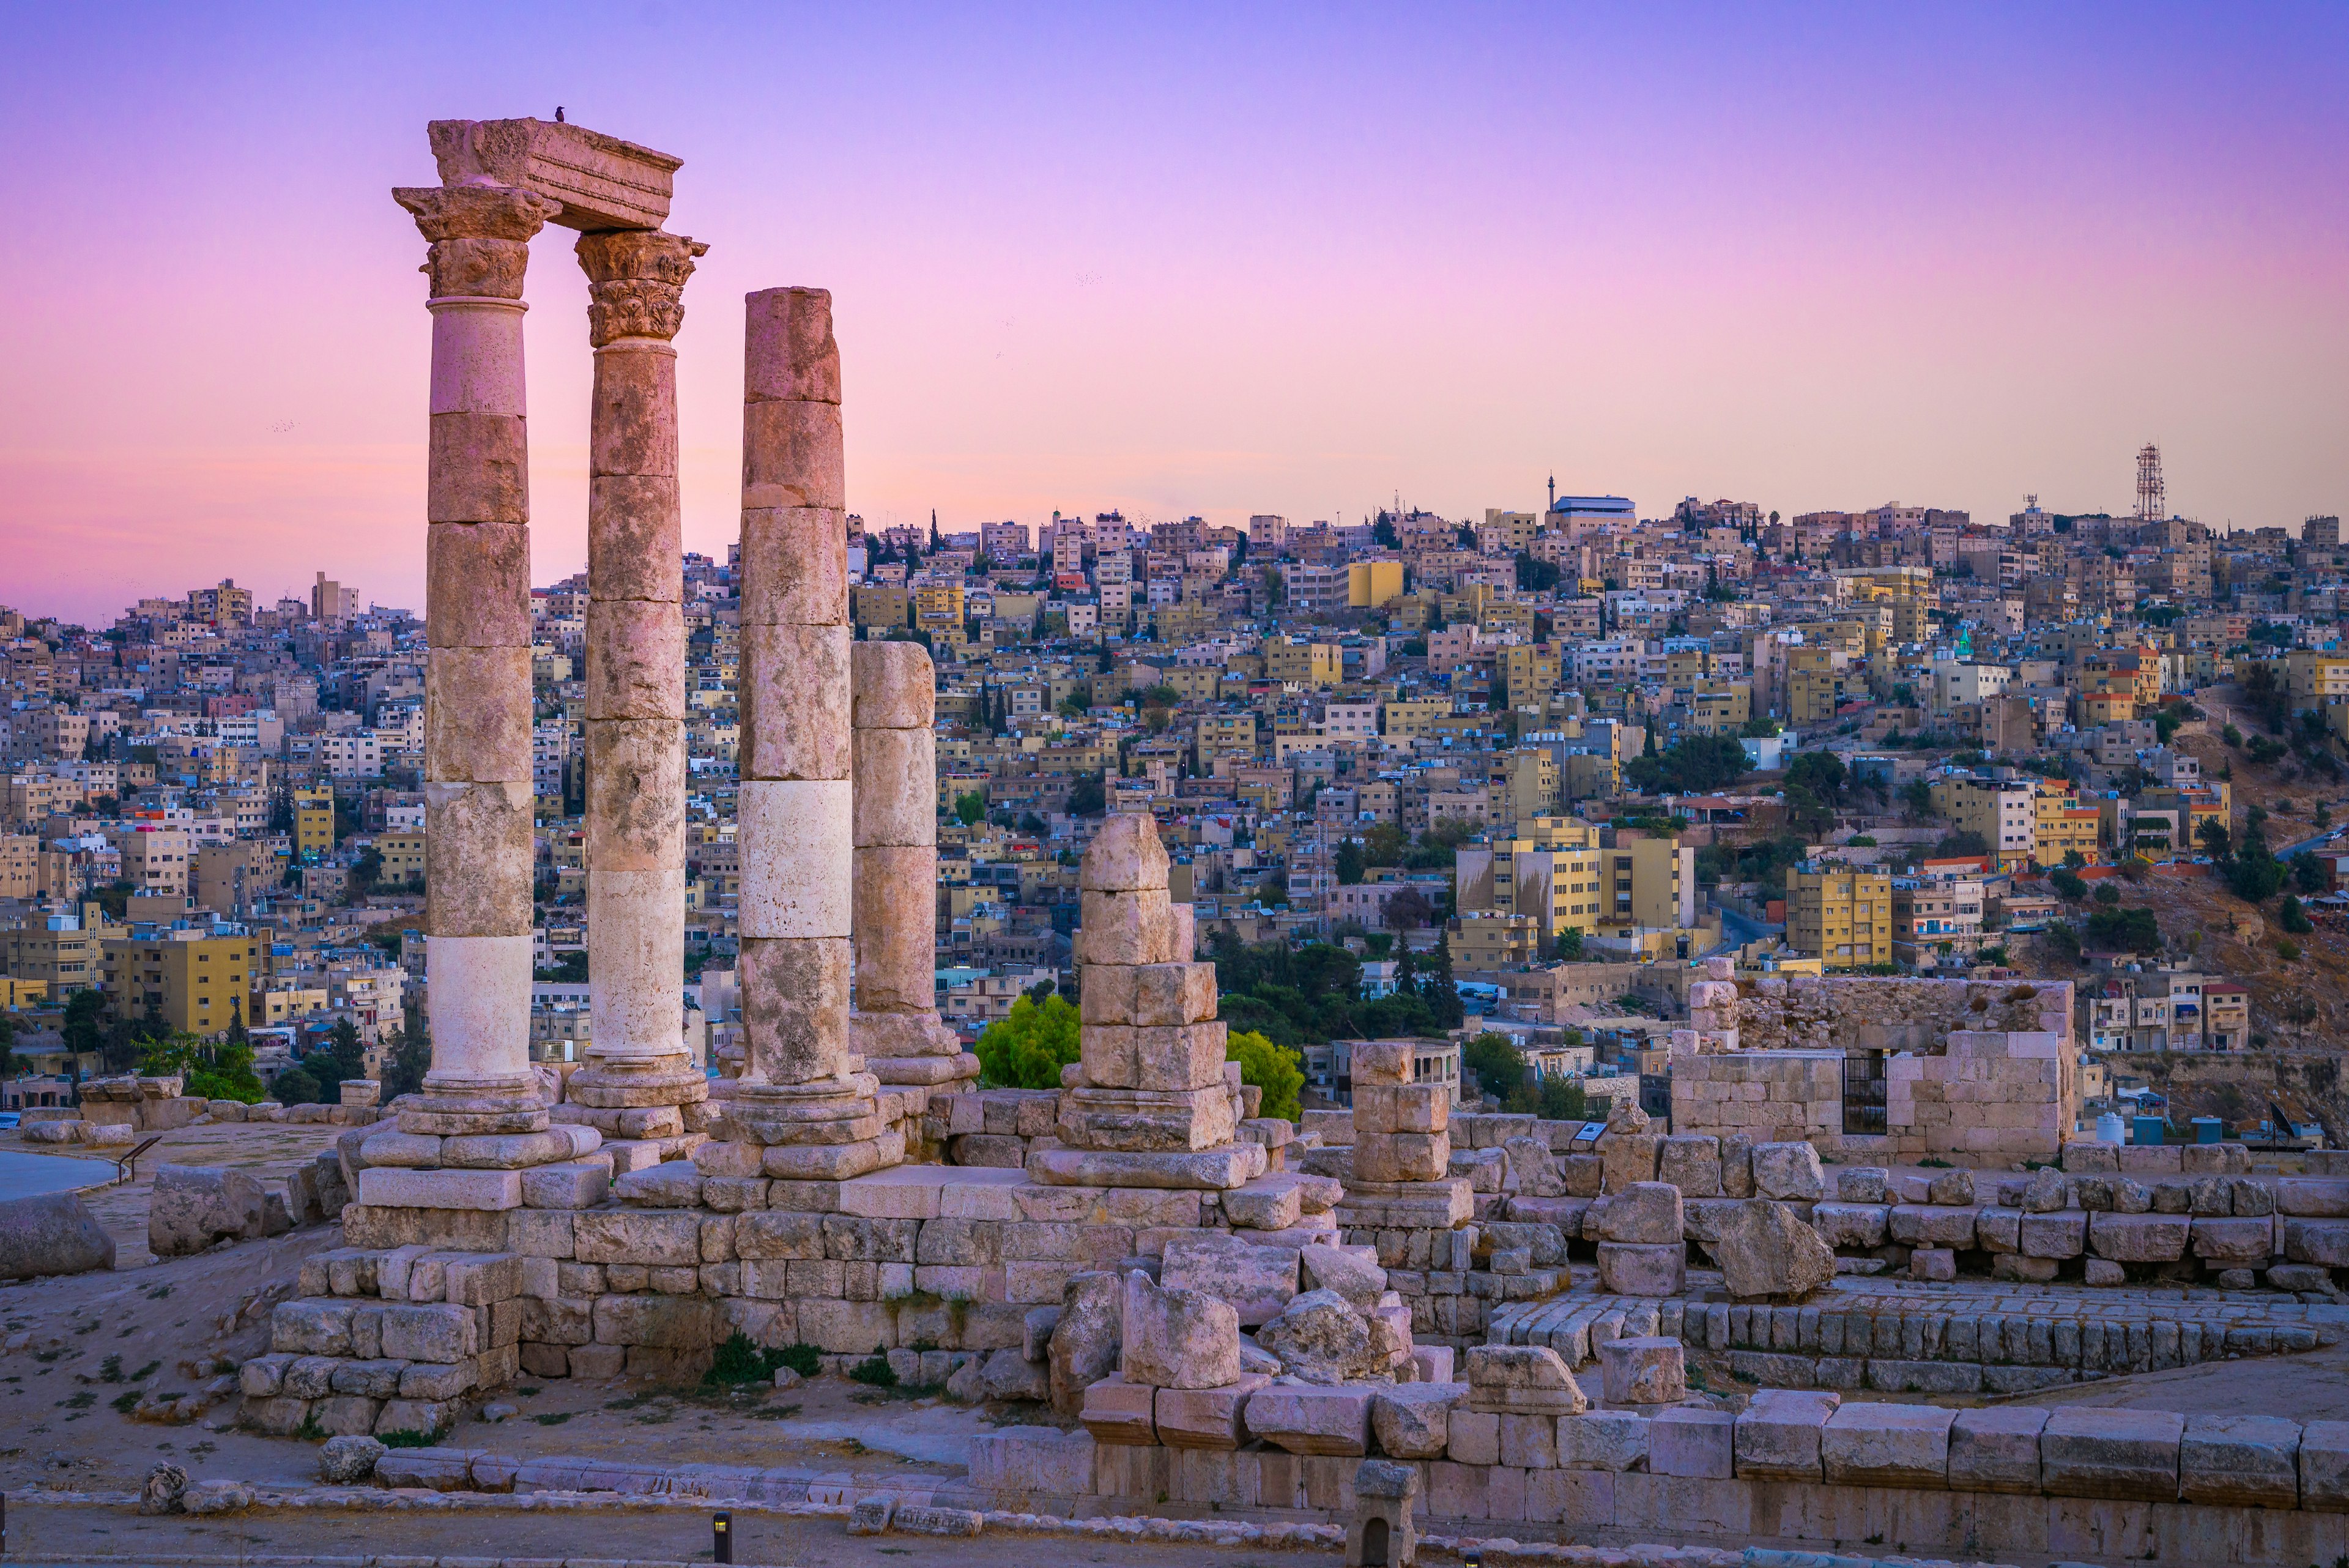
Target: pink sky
column 1200, row 261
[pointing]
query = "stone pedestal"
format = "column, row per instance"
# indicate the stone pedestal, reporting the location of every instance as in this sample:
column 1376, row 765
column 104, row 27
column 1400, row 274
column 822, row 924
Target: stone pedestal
column 1152, row 1102
column 636, row 681
column 803, row 1096
column 895, row 1026
column 1402, row 1147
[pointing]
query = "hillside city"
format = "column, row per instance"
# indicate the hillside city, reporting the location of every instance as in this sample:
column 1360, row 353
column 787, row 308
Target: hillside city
column 1496, row 783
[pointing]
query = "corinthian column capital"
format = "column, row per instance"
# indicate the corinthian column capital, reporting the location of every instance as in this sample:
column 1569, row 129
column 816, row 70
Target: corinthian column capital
column 479, row 235
column 635, row 283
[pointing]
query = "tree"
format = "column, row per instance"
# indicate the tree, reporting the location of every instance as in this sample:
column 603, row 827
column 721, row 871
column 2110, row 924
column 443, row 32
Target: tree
column 1569, row 944
column 2068, row 882
column 1760, row 727
column 1961, row 847
column 1495, row 1063
column 407, row 1058
column 1917, row 797
column 296, row 1087
column 1028, row 1049
column 1349, row 863
column 970, row 807
column 2308, row 872
column 1274, row 1069
column 1535, row 577
column 1441, row 996
column 1407, row 910
column 2214, row 837
column 1088, row 796
column 82, row 1029
column 2107, row 894
column 1385, row 844
column 2123, row 930
column 2292, row 918
column 1698, row 764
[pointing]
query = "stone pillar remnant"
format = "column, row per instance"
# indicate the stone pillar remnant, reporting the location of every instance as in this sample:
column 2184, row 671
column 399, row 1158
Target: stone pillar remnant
column 1402, row 1147
column 636, row 1060
column 803, row 1095
column 477, row 685
column 1151, row 1102
column 895, row 1026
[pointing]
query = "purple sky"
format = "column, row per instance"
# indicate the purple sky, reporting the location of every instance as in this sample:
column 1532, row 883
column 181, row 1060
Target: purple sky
column 1196, row 261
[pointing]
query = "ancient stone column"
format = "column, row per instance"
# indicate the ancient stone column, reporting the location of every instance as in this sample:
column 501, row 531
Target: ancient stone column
column 477, row 690
column 803, row 1095
column 895, row 1027
column 636, row 683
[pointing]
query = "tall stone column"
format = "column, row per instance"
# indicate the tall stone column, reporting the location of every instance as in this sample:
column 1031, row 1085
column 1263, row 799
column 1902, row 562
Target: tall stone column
column 477, row 690
column 636, row 685
column 803, row 1096
column 895, row 1026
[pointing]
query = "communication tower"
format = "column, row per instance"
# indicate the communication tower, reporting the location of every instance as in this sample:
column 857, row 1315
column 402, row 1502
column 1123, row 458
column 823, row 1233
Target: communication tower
column 2152, row 500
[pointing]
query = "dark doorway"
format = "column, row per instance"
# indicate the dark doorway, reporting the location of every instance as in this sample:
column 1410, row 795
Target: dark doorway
column 1375, row 1544
column 1863, row 1094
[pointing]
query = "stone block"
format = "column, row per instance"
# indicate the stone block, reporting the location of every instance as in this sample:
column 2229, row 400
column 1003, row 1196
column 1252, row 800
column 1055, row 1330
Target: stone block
column 1304, row 1419
column 1643, row 1370
column 1849, row 1224
column 1996, row 1450
column 1633, row 1269
column 2138, row 1238
column 1528, row 1442
column 2324, row 1466
column 1257, row 1281
column 1273, row 1202
column 1175, row 1338
column 1789, row 1172
column 1881, row 1445
column 2323, row 1243
column 1613, row 1440
column 1694, row 1443
column 1206, row 1417
column 391, row 1187
column 2229, row 1243
column 1115, row 1411
column 1777, row 1436
column 1646, row 1212
column 1524, row 1380
column 2060, row 1234
column 1413, row 1420
column 1032, row 1460
column 2111, row 1453
column 2240, row 1461
column 648, row 1238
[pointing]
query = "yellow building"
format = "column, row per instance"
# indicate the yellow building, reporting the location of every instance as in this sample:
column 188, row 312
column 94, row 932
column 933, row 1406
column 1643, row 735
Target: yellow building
column 196, row 982
column 2062, row 825
column 1528, row 784
column 938, row 604
column 314, row 822
column 1370, row 584
column 1552, row 870
column 1840, row 915
column 883, row 607
column 1489, row 940
column 1529, row 671
column 1303, row 663
column 1408, row 721
column 1720, row 707
column 403, row 858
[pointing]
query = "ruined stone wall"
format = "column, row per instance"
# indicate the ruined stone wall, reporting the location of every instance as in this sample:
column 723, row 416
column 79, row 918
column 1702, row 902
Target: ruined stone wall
column 1779, row 1013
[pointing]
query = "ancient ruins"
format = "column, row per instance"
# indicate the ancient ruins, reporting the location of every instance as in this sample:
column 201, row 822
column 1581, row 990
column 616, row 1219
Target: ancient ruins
column 1396, row 1318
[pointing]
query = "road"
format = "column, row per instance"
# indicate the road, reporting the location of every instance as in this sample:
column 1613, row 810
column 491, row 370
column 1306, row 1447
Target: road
column 1736, row 932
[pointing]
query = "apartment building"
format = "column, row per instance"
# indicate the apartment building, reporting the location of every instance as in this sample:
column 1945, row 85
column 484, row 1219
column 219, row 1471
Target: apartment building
column 198, row 978
column 2004, row 812
column 1839, row 914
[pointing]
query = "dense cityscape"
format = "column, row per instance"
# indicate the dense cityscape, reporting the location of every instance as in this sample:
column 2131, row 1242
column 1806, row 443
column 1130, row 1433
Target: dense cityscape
column 1458, row 778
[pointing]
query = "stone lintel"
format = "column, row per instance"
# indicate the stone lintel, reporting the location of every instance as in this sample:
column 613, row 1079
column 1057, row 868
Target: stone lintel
column 602, row 182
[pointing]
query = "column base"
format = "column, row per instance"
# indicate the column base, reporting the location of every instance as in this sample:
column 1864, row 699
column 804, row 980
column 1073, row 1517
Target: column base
column 456, row 1112
column 927, row 1071
column 621, row 1082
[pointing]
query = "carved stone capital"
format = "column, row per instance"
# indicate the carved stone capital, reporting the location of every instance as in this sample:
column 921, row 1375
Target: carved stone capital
column 479, row 234
column 635, row 283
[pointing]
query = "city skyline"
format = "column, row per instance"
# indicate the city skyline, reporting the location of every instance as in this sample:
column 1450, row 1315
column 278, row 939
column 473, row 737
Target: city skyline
column 1209, row 267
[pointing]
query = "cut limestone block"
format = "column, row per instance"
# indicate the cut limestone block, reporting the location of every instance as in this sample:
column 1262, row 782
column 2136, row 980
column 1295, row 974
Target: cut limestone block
column 1996, row 1450
column 2240, row 1461
column 1886, row 1445
column 1698, row 1444
column 2126, row 1454
column 1305, row 1418
column 1207, row 1418
column 1777, row 1436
